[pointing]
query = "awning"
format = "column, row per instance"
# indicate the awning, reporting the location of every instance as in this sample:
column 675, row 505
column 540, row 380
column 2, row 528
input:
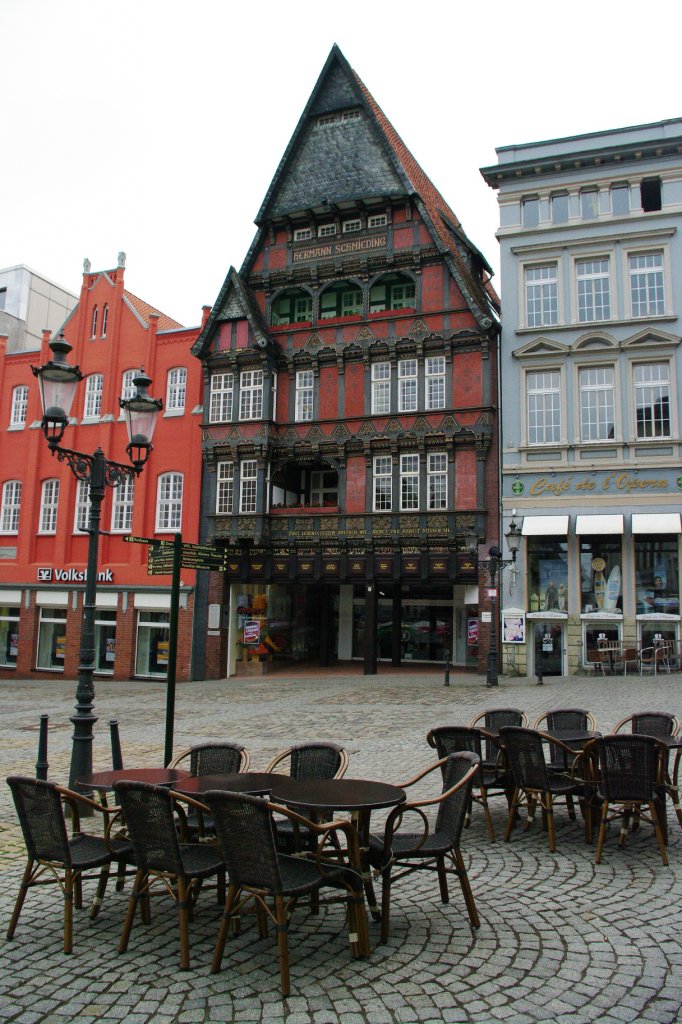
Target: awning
column 656, row 522
column 544, row 526
column 598, row 524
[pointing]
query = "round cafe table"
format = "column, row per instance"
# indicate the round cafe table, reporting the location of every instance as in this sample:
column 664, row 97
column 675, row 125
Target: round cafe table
column 104, row 781
column 253, row 783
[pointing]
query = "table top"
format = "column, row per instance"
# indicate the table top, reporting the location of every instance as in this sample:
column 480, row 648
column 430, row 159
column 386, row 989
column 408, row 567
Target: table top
column 336, row 794
column 253, row 783
column 153, row 776
column 572, row 736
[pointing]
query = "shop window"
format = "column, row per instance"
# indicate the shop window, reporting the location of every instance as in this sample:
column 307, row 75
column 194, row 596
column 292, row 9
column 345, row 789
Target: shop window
column 10, row 507
column 153, row 640
column 176, row 390
column 105, row 640
column 547, row 559
column 340, row 299
column 657, row 578
column 221, row 399
column 9, row 635
column 596, row 634
column 292, row 306
column 393, row 291
column 651, row 634
column 94, row 386
column 52, row 639
column 600, row 574
column 19, row 409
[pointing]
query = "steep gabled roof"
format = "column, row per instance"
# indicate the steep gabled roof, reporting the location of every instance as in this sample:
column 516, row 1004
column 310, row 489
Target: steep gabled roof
column 143, row 309
column 235, row 302
column 365, row 159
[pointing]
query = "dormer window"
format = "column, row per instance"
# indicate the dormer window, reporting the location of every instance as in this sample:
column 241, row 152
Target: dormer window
column 325, row 230
column 301, row 234
column 377, row 220
column 352, row 225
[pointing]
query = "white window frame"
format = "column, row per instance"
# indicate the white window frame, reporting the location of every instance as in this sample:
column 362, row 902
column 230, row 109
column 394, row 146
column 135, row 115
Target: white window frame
column 549, row 314
column 593, row 398
column 49, row 506
column 19, row 410
column 348, row 226
column 127, row 386
column 638, row 388
column 381, row 388
column 251, row 385
column 169, row 494
column 305, row 391
column 437, row 481
column 248, row 486
column 93, row 331
column 409, row 482
column 557, row 405
column 636, row 312
column 302, row 234
column 587, row 304
column 94, row 388
column 377, row 220
column 408, row 385
column 105, row 321
column 81, row 512
column 382, row 483
column 10, row 506
column 224, row 500
column 326, row 230
column 176, row 390
column 221, row 398
column 122, row 506
column 434, row 382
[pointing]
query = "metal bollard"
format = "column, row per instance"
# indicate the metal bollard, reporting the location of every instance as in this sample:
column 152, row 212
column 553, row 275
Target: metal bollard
column 41, row 763
column 447, row 667
column 116, row 755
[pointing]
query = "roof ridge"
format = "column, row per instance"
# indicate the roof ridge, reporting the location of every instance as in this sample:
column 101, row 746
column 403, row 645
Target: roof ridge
column 144, row 309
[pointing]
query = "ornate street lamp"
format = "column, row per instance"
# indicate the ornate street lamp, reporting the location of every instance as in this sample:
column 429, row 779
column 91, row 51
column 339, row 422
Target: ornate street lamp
column 57, row 381
column 494, row 565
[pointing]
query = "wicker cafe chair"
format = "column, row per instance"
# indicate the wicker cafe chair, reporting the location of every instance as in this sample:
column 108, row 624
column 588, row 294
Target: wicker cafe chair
column 258, row 871
column 312, row 760
column 209, row 759
column 53, row 856
column 659, row 724
column 630, row 774
column 429, row 848
column 535, row 783
column 160, row 857
column 493, row 720
column 564, row 718
column 452, row 739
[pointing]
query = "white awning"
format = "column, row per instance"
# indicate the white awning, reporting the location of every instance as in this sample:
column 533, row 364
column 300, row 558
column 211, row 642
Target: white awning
column 656, row 522
column 598, row 524
column 544, row 526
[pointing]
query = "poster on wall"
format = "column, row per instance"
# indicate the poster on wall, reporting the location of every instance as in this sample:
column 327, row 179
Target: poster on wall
column 472, row 632
column 162, row 652
column 252, row 632
column 60, row 647
column 513, row 628
column 110, row 649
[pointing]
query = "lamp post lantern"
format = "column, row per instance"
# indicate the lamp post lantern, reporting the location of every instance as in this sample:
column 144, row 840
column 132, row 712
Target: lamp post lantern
column 57, row 381
column 494, row 565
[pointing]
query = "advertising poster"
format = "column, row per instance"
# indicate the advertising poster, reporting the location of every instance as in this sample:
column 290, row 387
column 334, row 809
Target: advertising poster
column 513, row 628
column 472, row 632
column 162, row 652
column 252, row 632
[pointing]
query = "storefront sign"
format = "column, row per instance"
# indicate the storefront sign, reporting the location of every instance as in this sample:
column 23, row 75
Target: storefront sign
column 607, row 483
column 49, row 575
column 332, row 249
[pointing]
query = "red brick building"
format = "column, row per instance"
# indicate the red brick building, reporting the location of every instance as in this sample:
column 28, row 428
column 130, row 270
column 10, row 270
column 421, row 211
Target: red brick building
column 43, row 507
column 350, row 423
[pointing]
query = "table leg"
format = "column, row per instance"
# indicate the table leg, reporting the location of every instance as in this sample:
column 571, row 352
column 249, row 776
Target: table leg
column 361, row 821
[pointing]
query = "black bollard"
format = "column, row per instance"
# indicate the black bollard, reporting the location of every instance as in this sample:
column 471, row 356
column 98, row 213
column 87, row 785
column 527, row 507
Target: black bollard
column 41, row 763
column 116, row 755
column 447, row 667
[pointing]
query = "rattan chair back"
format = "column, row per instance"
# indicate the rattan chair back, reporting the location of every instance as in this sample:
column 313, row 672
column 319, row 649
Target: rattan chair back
column 451, row 739
column 245, row 832
column 214, row 757
column 313, row 760
column 150, row 820
column 629, row 767
column 650, row 723
column 41, row 816
column 566, row 718
column 452, row 810
column 526, row 757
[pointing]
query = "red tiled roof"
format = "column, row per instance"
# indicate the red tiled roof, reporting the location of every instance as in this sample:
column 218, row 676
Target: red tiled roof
column 143, row 309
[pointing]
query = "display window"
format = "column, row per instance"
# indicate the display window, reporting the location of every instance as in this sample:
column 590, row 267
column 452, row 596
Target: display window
column 9, row 636
column 657, row 575
column 52, row 639
column 153, row 639
column 596, row 632
column 601, row 586
column 547, row 559
column 105, row 641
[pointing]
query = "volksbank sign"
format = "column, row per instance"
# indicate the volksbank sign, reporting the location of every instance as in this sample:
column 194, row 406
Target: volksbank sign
column 72, row 576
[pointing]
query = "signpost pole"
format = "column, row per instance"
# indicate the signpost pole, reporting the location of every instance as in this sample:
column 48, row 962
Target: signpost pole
column 173, row 648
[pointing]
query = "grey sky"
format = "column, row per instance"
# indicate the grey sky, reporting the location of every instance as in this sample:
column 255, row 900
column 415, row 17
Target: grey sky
column 155, row 126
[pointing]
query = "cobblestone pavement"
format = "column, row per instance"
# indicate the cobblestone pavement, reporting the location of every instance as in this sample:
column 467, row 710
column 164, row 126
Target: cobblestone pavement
column 560, row 939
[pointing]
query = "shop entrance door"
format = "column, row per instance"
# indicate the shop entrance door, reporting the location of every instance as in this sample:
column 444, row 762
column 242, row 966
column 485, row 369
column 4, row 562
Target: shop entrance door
column 549, row 648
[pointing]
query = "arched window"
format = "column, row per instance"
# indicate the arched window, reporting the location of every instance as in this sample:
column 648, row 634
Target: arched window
column 10, row 506
column 93, row 332
column 93, row 396
column 341, row 299
column 19, row 406
column 292, row 306
column 169, row 503
column 127, row 386
column 176, row 390
column 392, row 291
column 49, row 503
column 81, row 517
column 105, row 321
